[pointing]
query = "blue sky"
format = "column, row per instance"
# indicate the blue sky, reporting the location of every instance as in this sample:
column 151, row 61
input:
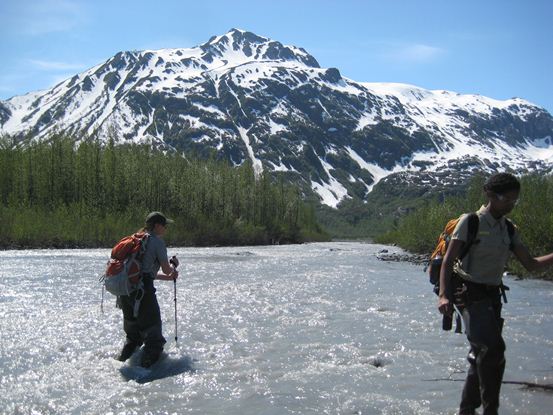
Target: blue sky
column 497, row 48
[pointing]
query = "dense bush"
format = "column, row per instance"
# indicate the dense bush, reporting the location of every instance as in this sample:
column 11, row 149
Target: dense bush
column 59, row 193
column 533, row 216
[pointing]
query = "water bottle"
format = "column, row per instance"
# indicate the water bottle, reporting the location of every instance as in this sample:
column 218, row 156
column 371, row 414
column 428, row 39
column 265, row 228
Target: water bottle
column 447, row 322
column 434, row 271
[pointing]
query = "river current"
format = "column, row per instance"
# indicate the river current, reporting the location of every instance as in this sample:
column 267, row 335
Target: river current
column 301, row 329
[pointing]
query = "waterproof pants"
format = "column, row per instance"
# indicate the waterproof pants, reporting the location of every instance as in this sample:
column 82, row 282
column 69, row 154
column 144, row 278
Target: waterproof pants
column 146, row 327
column 483, row 325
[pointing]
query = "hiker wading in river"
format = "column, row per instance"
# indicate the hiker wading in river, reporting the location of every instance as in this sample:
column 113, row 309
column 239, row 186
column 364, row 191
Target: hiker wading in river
column 145, row 328
column 477, row 289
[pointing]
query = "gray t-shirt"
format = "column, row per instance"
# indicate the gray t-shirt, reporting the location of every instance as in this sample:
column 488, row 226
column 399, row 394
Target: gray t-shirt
column 485, row 261
column 156, row 253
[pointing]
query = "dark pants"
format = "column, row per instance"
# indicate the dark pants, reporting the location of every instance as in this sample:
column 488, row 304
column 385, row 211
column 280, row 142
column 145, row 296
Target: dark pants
column 483, row 324
column 146, row 327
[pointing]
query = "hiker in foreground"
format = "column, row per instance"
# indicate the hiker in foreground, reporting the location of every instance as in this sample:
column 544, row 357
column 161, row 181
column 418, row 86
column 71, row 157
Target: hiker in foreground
column 475, row 286
column 142, row 319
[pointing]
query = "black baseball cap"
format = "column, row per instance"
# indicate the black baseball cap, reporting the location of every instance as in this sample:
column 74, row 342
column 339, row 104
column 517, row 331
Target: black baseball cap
column 158, row 217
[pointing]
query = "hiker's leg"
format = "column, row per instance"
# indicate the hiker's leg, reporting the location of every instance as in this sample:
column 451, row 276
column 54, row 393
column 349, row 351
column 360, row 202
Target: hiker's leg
column 470, row 398
column 149, row 317
column 490, row 371
column 131, row 327
column 130, row 323
column 483, row 325
column 491, row 364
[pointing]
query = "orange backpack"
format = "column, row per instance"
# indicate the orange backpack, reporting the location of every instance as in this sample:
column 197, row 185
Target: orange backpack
column 437, row 256
column 122, row 275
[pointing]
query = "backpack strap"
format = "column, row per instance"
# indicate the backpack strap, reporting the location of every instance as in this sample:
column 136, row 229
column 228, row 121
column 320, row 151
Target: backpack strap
column 474, row 223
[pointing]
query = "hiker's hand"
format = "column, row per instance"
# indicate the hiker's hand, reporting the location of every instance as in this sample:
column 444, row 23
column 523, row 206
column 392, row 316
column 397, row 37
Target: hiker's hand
column 174, row 275
column 445, row 307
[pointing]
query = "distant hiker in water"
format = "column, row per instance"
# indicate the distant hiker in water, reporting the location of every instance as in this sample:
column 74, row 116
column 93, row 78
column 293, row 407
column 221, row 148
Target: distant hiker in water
column 145, row 328
column 476, row 284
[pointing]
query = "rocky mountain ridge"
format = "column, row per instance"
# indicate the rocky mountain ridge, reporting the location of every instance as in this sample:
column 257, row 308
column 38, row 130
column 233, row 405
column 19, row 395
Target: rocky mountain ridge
column 246, row 97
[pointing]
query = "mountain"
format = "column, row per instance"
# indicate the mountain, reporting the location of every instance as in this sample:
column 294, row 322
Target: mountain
column 246, row 97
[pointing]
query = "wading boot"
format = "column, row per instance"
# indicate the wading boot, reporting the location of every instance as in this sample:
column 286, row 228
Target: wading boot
column 127, row 351
column 148, row 359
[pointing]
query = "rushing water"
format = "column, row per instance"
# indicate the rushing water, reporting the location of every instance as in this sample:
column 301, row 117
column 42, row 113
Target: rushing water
column 310, row 329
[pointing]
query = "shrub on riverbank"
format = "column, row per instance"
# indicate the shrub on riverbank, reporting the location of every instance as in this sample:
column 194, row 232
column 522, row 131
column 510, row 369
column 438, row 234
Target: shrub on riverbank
column 59, row 194
column 418, row 231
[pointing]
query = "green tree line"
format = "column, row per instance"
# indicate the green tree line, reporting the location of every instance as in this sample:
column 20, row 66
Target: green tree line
column 418, row 231
column 59, row 193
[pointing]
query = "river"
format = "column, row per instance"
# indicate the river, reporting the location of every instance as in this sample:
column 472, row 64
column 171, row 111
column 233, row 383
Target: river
column 322, row 328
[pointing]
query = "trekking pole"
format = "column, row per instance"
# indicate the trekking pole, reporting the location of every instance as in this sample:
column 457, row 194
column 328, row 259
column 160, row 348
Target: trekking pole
column 173, row 262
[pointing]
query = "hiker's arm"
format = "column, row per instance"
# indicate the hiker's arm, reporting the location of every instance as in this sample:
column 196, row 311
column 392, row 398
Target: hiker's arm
column 169, row 273
column 529, row 262
column 452, row 253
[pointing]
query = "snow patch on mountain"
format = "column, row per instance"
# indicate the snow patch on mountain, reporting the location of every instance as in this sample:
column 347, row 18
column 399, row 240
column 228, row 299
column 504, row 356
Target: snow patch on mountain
column 331, row 192
column 281, row 167
column 540, row 149
column 275, row 127
column 257, row 165
column 377, row 172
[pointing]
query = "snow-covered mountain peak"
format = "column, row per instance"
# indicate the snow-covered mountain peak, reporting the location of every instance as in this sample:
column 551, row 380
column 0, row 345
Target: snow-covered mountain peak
column 247, row 46
column 247, row 97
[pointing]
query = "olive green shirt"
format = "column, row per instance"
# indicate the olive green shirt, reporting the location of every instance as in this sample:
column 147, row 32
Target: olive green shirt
column 486, row 260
